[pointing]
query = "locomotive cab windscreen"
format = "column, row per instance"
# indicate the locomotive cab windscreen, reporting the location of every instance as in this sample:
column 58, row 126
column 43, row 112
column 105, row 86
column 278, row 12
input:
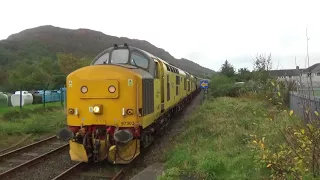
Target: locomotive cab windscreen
column 126, row 56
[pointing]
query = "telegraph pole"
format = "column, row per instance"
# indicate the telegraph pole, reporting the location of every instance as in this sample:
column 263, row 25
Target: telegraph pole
column 307, row 46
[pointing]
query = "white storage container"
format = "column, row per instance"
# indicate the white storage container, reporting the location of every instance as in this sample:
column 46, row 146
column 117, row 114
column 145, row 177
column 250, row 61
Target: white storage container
column 27, row 98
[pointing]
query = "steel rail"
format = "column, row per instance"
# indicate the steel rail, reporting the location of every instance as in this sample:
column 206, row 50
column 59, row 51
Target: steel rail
column 27, row 147
column 33, row 161
column 68, row 172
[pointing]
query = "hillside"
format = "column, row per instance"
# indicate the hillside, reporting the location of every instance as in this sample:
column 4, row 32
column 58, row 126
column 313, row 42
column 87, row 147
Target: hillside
column 85, row 42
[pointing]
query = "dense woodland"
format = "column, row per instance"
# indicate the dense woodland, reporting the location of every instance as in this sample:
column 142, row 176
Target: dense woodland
column 41, row 57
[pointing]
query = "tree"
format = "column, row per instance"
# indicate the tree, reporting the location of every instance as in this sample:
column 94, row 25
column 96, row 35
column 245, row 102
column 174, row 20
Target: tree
column 55, row 78
column 227, row 69
column 85, row 61
column 244, row 74
column 27, row 76
column 58, row 81
column 68, row 63
column 262, row 65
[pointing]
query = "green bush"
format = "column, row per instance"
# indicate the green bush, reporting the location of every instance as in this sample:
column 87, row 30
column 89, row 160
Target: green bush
column 221, row 86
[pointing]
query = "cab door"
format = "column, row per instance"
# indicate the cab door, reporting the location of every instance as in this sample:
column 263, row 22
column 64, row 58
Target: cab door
column 157, row 89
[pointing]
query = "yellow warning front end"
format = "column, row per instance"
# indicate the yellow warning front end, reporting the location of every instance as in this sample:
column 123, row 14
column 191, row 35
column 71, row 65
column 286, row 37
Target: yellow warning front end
column 105, row 105
column 103, row 113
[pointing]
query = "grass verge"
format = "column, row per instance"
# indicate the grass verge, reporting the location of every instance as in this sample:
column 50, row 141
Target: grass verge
column 217, row 140
column 29, row 107
column 34, row 120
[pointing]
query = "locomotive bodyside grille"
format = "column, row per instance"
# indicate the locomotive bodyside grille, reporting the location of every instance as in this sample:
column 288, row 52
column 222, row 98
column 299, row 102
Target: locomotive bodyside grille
column 147, row 96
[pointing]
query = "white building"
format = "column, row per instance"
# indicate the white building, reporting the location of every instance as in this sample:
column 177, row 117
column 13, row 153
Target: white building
column 294, row 75
column 313, row 73
column 287, row 74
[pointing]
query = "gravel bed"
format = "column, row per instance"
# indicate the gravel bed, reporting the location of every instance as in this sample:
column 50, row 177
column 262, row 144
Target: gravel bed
column 48, row 169
column 23, row 156
column 25, row 142
column 94, row 171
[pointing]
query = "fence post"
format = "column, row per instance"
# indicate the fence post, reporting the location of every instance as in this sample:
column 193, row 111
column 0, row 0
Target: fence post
column 20, row 99
column 44, row 97
column 61, row 96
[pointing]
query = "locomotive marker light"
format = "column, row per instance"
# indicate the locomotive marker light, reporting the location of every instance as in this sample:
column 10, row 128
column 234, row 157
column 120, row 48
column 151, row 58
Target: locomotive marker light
column 71, row 111
column 112, row 89
column 84, row 89
column 130, row 111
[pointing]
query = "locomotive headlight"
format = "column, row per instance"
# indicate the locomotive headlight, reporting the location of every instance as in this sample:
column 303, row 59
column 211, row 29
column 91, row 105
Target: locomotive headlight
column 112, row 89
column 97, row 109
column 84, row 89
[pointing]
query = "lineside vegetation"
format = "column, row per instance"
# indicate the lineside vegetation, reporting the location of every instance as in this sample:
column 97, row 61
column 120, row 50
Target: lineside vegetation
column 32, row 120
column 246, row 132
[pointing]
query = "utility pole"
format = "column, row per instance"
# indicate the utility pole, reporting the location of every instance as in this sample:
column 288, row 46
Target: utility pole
column 307, row 46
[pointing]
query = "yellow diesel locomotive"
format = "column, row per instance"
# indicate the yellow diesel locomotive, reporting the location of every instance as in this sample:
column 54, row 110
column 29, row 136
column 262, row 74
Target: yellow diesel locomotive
column 121, row 101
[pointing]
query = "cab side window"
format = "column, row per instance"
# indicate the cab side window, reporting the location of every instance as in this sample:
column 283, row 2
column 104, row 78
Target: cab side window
column 139, row 60
column 102, row 59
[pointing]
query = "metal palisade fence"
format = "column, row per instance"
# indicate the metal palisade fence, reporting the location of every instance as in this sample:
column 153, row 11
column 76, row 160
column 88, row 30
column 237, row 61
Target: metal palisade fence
column 301, row 103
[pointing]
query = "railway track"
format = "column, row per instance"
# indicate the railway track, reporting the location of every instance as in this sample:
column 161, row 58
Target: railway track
column 26, row 156
column 21, row 159
column 78, row 172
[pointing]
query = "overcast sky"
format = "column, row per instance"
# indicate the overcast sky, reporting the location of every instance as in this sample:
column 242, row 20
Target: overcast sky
column 206, row 32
